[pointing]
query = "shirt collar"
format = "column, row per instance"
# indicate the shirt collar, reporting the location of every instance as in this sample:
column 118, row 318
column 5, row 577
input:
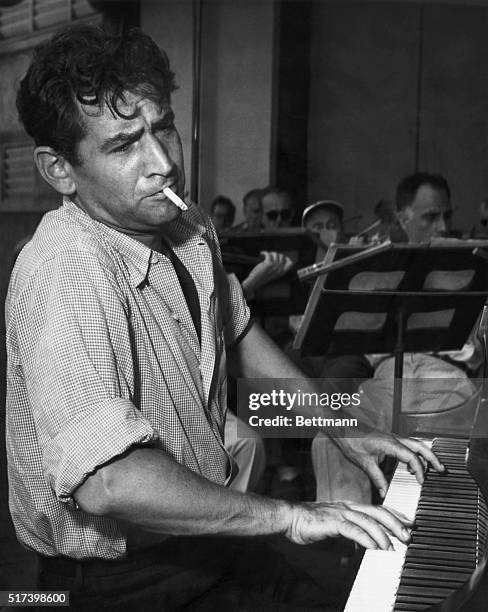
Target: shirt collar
column 138, row 256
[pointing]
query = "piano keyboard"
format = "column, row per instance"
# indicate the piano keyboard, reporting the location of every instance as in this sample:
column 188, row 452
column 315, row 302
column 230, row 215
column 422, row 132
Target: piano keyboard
column 442, row 552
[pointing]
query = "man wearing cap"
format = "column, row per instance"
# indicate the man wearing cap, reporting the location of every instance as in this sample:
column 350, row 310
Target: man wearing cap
column 325, row 219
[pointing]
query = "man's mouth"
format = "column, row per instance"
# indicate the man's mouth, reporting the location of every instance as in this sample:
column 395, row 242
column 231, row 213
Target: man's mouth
column 160, row 193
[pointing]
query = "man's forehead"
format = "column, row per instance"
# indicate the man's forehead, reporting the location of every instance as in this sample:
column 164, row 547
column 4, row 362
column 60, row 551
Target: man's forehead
column 130, row 110
column 276, row 199
column 323, row 214
column 254, row 206
column 429, row 197
column 252, row 202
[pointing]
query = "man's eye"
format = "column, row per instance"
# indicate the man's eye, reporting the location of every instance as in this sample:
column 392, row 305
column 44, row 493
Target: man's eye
column 123, row 147
column 166, row 130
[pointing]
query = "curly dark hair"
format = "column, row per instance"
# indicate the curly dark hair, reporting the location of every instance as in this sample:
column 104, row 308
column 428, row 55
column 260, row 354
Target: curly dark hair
column 93, row 67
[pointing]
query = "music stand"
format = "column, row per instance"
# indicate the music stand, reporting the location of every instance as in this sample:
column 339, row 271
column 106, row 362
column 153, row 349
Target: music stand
column 241, row 251
column 395, row 299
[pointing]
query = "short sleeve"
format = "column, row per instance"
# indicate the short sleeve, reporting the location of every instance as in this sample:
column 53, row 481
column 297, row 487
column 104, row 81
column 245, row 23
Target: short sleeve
column 238, row 321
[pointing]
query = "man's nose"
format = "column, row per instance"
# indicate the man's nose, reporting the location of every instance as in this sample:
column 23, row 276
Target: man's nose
column 157, row 158
column 441, row 227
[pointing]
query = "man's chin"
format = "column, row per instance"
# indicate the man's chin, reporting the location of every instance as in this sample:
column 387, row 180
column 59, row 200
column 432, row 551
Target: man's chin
column 176, row 212
column 163, row 211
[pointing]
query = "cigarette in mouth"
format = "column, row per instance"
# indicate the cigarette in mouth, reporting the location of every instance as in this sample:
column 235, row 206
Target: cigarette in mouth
column 171, row 195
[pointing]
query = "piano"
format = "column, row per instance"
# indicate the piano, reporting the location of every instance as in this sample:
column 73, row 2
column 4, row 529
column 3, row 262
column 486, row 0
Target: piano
column 444, row 566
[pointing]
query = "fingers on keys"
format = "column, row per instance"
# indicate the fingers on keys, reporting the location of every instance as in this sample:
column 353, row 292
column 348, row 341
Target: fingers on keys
column 422, row 458
column 377, row 524
column 417, row 456
column 376, row 476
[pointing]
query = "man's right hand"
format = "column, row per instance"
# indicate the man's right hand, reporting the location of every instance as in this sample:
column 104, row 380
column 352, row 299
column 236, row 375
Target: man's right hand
column 369, row 526
column 273, row 266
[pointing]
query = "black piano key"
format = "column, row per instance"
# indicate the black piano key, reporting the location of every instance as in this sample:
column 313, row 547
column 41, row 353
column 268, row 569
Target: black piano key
column 427, row 528
column 468, row 561
column 440, row 564
column 428, row 537
column 409, row 607
column 447, row 560
column 441, row 555
column 423, row 593
column 432, row 576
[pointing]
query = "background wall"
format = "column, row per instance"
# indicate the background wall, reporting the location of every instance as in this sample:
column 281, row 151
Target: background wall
column 236, row 117
column 170, row 24
column 236, row 95
column 11, row 67
column 454, row 103
column 395, row 87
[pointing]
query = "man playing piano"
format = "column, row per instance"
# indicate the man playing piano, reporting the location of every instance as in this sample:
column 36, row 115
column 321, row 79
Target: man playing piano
column 120, row 319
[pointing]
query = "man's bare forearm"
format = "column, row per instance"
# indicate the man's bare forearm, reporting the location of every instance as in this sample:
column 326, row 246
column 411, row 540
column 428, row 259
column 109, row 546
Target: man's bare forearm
column 148, row 488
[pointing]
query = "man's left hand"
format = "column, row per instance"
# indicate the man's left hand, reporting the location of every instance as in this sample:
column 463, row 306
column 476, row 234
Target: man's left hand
column 371, row 449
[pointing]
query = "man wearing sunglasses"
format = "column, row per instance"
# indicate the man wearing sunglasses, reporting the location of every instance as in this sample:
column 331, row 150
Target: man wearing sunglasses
column 278, row 209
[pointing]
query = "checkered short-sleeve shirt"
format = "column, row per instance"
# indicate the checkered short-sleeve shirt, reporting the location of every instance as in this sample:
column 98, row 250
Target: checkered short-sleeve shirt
column 103, row 355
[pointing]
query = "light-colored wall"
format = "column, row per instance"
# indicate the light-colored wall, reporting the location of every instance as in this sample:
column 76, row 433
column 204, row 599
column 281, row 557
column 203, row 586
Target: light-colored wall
column 236, row 94
column 12, row 68
column 170, row 24
column 236, row 98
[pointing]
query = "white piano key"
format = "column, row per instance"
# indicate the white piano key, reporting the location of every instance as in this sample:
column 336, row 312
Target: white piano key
column 380, row 571
column 377, row 581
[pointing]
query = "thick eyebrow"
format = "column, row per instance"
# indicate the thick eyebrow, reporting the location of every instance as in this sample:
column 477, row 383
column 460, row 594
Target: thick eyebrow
column 433, row 210
column 122, row 138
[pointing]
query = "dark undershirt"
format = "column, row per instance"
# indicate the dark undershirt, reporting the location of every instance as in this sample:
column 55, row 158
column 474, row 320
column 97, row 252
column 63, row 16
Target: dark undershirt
column 190, row 292
column 188, row 287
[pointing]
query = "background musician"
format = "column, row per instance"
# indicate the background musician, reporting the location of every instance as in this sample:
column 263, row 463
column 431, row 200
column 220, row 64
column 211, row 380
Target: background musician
column 423, row 203
column 278, row 208
column 480, row 229
column 253, row 212
column 437, row 382
column 325, row 218
column 222, row 213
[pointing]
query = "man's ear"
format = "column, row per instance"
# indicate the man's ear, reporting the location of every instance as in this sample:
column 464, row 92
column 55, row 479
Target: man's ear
column 55, row 170
column 404, row 215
